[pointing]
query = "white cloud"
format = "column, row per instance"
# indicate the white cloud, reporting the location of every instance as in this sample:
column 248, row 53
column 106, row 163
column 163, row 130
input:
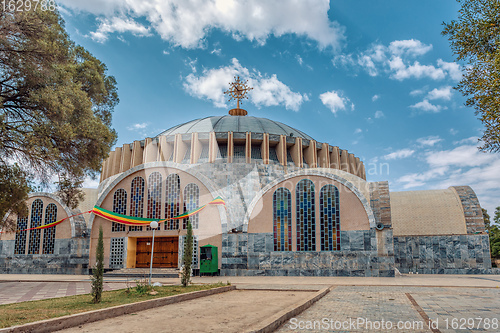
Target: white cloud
column 409, row 47
column 443, row 93
column 299, row 59
column 429, row 140
column 453, row 131
column 399, row 154
column 379, row 114
column 472, row 139
column 397, row 61
column 335, row 101
column 417, row 92
column 187, row 23
column 375, row 97
column 267, row 90
column 358, row 130
column 216, row 51
column 137, row 126
column 426, row 106
column 118, row 24
column 462, row 165
column 165, row 52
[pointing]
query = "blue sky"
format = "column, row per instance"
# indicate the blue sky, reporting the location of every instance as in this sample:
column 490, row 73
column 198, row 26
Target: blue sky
column 374, row 77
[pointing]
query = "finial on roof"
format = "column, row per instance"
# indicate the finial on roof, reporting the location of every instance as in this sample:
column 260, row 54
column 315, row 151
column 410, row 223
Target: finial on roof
column 238, row 90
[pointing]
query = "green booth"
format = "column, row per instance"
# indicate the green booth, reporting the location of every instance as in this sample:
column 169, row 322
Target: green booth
column 209, row 260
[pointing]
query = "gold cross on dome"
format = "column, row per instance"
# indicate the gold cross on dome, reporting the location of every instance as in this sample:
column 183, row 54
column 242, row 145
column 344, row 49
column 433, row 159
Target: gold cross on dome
column 238, row 90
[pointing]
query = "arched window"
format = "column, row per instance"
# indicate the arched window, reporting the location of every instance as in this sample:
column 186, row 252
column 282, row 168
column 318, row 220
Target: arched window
column 120, row 207
column 36, row 221
column 306, row 217
column 49, row 234
column 20, row 244
column 137, row 200
column 191, row 201
column 154, row 196
column 282, row 217
column 172, row 201
column 329, row 217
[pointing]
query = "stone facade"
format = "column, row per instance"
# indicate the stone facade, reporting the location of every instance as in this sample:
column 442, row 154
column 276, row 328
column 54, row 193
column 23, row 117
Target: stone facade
column 456, row 254
column 71, row 256
column 363, row 253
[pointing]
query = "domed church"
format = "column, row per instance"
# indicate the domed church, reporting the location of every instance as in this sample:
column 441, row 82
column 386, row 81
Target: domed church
column 293, row 206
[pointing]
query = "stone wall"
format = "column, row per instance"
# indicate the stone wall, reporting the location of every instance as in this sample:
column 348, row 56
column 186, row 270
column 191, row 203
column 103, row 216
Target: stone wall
column 364, row 253
column 71, row 256
column 458, row 254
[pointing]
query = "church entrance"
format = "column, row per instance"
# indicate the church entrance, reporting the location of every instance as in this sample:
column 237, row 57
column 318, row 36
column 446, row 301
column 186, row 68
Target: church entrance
column 165, row 252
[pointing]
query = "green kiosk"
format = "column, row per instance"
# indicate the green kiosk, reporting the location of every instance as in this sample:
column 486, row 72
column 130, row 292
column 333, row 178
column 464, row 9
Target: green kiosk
column 209, row 260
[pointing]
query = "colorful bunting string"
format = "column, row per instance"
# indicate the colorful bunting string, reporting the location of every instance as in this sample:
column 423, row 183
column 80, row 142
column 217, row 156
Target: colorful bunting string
column 130, row 220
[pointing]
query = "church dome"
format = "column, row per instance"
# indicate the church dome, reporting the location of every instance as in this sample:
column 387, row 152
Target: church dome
column 235, row 124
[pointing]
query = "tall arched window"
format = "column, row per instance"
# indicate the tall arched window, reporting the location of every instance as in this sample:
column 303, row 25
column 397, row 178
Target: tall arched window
column 172, row 201
column 20, row 244
column 120, row 207
column 137, row 200
column 49, row 234
column 329, row 217
column 282, row 217
column 306, row 217
column 36, row 221
column 191, row 201
column 154, row 196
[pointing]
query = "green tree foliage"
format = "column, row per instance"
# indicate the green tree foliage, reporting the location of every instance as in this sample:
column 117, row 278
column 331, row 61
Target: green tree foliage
column 69, row 190
column 98, row 270
column 486, row 218
column 14, row 188
column 56, row 100
column 187, row 257
column 475, row 40
column 494, row 232
column 496, row 218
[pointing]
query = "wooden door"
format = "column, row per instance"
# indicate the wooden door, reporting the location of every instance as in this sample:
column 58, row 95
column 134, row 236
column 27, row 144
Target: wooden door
column 165, row 252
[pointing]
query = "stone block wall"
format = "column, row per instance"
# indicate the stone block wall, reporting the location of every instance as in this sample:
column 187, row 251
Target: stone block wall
column 458, row 254
column 250, row 254
column 71, row 256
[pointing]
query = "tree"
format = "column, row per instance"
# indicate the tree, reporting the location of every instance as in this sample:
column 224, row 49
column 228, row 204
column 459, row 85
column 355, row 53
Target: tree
column 98, row 270
column 187, row 257
column 496, row 218
column 69, row 191
column 14, row 188
column 56, row 100
column 475, row 39
column 486, row 218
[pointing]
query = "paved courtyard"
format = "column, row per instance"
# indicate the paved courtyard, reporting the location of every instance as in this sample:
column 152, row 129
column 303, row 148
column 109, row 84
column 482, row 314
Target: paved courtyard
column 401, row 309
column 13, row 292
column 452, row 303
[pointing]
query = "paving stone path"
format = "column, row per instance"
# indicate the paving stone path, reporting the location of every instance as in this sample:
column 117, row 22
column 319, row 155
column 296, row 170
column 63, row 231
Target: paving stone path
column 390, row 309
column 13, row 292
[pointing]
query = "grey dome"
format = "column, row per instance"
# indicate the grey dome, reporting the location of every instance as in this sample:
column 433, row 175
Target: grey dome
column 235, row 124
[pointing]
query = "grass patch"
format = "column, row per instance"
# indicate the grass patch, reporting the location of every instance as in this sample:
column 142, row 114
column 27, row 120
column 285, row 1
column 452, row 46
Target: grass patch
column 27, row 312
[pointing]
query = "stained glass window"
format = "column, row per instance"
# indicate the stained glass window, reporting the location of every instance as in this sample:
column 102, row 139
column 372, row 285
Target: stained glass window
column 154, row 196
column 49, row 234
column 329, row 217
column 20, row 244
column 282, row 217
column 191, row 201
column 36, row 221
column 120, row 207
column 137, row 200
column 172, row 201
column 306, row 216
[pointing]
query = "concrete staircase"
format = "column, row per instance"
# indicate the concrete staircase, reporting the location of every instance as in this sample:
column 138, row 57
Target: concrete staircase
column 144, row 273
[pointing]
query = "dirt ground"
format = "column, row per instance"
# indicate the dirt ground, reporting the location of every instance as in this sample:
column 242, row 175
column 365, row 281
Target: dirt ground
column 234, row 311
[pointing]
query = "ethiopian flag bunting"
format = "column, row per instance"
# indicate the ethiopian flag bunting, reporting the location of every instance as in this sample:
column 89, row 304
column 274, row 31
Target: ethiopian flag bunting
column 130, row 220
